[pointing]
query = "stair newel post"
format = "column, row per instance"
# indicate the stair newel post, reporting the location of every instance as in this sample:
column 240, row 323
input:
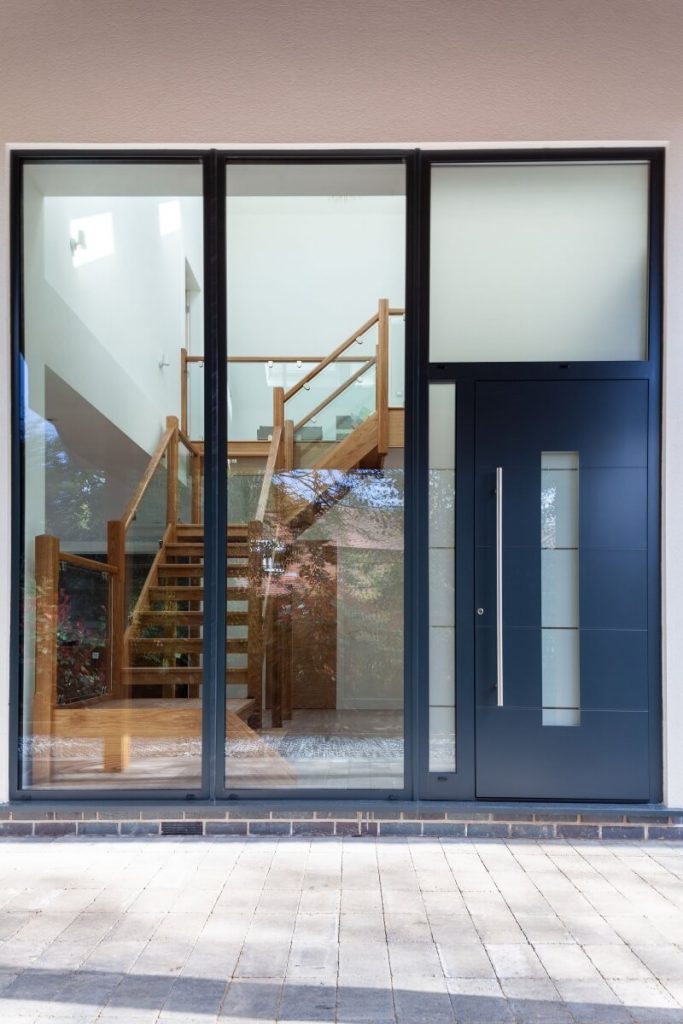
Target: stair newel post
column 47, row 616
column 172, row 473
column 116, row 555
column 286, row 652
column 382, row 377
column 288, row 455
column 255, row 650
column 279, row 418
column 196, row 468
column 274, row 661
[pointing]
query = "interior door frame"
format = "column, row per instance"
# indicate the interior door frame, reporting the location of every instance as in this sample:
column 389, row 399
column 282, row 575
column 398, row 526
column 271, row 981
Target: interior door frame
column 460, row 785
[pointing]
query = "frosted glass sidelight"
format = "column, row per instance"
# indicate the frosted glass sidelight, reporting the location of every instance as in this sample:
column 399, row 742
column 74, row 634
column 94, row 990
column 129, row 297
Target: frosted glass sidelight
column 442, row 739
column 442, row 577
column 560, row 636
column 539, row 262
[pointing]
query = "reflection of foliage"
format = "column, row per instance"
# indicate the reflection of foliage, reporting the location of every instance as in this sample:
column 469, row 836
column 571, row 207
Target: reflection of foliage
column 243, row 495
column 81, row 649
column 314, row 609
column 74, row 495
column 341, row 537
column 373, row 609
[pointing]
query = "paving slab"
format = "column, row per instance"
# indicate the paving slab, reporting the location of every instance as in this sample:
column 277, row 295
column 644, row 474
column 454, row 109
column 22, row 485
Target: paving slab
column 395, row 930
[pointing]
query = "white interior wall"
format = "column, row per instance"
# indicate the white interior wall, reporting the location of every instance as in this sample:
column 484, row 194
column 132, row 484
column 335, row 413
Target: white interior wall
column 386, row 72
column 304, row 272
column 105, row 326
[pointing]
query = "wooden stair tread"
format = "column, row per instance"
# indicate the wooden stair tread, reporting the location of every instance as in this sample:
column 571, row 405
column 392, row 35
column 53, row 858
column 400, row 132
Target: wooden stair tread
column 186, row 618
column 182, row 645
column 197, row 569
column 157, row 675
column 145, row 717
column 192, row 549
column 192, row 593
column 150, row 703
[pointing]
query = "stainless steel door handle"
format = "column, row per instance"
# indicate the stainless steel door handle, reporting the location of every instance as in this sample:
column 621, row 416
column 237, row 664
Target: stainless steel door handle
column 499, row 586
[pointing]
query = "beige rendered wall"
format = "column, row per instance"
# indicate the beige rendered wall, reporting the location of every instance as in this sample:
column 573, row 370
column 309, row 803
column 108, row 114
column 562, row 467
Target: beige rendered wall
column 290, row 72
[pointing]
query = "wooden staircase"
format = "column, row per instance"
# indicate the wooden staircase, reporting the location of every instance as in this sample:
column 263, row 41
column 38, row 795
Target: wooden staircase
column 155, row 647
column 164, row 642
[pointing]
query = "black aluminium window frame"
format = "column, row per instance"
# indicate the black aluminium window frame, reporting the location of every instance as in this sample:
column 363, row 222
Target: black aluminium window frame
column 419, row 374
column 460, row 785
column 214, row 164
column 18, row 159
column 410, row 160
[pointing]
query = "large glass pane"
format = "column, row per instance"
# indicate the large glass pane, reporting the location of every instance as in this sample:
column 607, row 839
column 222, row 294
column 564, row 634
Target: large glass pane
column 315, row 485
column 113, row 535
column 538, row 262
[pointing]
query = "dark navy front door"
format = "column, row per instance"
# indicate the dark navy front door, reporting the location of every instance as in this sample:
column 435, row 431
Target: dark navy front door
column 561, row 553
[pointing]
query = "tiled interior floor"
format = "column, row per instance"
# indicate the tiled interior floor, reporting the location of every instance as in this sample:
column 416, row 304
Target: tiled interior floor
column 329, row 750
column 342, row 749
column 374, row 931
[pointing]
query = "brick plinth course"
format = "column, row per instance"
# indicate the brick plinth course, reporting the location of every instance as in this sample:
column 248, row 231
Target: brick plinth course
column 456, row 821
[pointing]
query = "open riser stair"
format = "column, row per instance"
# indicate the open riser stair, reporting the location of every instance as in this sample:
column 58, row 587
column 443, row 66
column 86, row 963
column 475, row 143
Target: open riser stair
column 155, row 642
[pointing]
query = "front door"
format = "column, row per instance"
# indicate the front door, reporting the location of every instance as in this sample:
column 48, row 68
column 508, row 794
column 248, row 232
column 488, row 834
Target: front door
column 561, row 641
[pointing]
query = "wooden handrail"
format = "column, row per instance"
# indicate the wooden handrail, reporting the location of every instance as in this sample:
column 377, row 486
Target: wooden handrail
column 87, row 563
column 141, row 489
column 382, row 378
column 335, row 394
column 190, row 445
column 363, row 329
column 273, row 359
column 271, row 464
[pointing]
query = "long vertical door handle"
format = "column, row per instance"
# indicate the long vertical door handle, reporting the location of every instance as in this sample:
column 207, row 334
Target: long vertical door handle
column 499, row 586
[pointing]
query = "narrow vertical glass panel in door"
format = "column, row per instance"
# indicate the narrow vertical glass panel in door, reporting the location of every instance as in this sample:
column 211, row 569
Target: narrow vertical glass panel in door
column 560, row 634
column 314, row 639
column 538, row 261
column 442, row 577
column 113, row 535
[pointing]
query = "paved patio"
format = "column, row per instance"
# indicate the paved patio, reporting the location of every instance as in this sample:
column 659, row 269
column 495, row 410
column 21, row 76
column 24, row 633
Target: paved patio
column 349, row 930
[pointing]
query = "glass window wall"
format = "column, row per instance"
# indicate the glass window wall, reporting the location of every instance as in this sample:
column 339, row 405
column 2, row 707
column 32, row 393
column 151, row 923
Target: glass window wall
column 112, row 635
column 315, row 285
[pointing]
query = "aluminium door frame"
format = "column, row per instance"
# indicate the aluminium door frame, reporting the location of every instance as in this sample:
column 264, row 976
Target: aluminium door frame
column 214, row 163
column 461, row 785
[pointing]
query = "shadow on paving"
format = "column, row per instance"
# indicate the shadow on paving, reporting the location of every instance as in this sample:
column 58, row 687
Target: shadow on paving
column 272, row 999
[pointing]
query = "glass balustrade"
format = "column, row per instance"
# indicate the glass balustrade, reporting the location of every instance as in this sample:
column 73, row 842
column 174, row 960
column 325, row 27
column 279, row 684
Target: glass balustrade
column 338, row 415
